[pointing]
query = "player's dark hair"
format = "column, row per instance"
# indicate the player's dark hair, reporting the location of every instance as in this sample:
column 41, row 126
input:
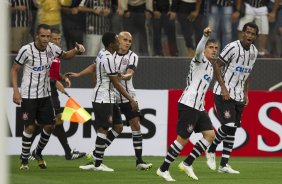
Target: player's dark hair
column 42, row 26
column 108, row 38
column 252, row 25
column 56, row 31
column 211, row 41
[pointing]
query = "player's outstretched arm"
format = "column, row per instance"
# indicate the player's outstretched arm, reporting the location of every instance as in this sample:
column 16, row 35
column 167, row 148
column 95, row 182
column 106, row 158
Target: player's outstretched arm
column 89, row 70
column 127, row 76
column 77, row 50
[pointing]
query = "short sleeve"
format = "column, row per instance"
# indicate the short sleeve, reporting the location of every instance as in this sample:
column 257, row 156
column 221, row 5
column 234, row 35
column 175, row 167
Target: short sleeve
column 109, row 65
column 133, row 61
column 22, row 56
column 227, row 53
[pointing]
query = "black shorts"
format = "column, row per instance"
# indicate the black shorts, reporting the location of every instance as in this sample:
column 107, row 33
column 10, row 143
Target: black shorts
column 40, row 109
column 55, row 97
column 228, row 111
column 126, row 109
column 106, row 115
column 190, row 119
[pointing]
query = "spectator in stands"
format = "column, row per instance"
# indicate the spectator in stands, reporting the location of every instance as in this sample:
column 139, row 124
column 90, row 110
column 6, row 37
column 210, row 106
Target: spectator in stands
column 115, row 16
column 162, row 20
column 275, row 31
column 257, row 11
column 20, row 19
column 190, row 15
column 135, row 13
column 73, row 23
column 97, row 23
column 49, row 12
column 221, row 16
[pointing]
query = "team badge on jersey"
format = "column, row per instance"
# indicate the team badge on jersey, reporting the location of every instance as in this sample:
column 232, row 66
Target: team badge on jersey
column 49, row 54
column 252, row 56
column 125, row 61
column 227, row 114
column 25, row 116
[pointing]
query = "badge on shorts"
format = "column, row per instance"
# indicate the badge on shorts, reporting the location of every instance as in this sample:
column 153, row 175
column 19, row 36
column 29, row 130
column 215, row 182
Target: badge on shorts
column 110, row 120
column 227, row 114
column 190, row 128
column 25, row 116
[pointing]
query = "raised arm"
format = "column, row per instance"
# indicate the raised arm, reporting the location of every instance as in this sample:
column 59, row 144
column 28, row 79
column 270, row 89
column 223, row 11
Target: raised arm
column 78, row 49
column 202, row 43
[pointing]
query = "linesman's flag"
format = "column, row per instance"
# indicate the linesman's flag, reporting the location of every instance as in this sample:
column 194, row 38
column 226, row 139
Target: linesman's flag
column 73, row 112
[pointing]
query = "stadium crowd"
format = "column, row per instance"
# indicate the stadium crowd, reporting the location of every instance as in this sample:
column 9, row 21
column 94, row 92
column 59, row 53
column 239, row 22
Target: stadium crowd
column 159, row 27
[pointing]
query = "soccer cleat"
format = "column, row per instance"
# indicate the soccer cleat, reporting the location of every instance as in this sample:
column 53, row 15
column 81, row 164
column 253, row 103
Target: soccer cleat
column 143, row 166
column 165, row 175
column 188, row 170
column 103, row 167
column 227, row 169
column 211, row 160
column 88, row 166
column 41, row 162
column 74, row 155
column 24, row 165
column 90, row 157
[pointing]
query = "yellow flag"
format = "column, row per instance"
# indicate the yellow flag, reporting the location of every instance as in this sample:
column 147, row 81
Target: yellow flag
column 73, row 112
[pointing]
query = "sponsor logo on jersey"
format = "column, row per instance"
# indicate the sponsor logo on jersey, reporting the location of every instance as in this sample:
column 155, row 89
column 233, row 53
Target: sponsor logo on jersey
column 41, row 68
column 243, row 69
column 207, row 78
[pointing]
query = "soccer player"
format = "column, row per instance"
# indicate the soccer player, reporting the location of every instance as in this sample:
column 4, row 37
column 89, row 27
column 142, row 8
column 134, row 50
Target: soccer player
column 55, row 77
column 126, row 62
column 232, row 71
column 107, row 113
column 191, row 113
column 34, row 97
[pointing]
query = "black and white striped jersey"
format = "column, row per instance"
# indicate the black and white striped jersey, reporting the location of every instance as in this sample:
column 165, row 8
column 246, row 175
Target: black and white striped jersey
column 96, row 24
column 124, row 62
column 239, row 63
column 20, row 18
column 222, row 2
column 105, row 67
column 198, row 79
column 36, row 66
column 257, row 3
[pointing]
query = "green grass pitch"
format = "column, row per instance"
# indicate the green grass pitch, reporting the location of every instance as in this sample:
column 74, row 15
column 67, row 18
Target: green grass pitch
column 60, row 171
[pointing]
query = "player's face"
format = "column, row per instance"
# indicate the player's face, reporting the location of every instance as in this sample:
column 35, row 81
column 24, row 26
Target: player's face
column 211, row 50
column 43, row 38
column 249, row 36
column 125, row 41
column 56, row 38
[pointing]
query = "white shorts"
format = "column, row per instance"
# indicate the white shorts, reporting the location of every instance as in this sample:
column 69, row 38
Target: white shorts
column 258, row 15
